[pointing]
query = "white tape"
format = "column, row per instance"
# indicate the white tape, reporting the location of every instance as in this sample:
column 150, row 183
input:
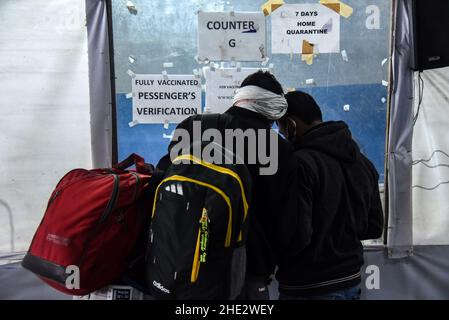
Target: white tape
column 265, row 61
column 271, row 67
column 385, row 83
column 384, row 61
column 132, row 59
column 167, row 136
column 168, row 65
column 133, row 123
column 207, row 110
column 166, row 124
column 164, row 74
column 344, row 55
column 130, row 5
column 383, row 100
column 131, row 74
column 346, row 107
column 239, row 67
column 129, row 95
column 310, row 81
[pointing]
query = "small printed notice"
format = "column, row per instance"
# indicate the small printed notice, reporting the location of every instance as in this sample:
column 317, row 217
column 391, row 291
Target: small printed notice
column 162, row 99
column 294, row 25
column 221, row 85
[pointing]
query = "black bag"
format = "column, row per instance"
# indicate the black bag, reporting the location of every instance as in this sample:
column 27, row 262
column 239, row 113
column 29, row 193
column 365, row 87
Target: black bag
column 197, row 235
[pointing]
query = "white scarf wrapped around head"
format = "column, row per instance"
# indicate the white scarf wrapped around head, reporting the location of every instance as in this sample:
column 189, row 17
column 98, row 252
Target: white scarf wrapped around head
column 270, row 105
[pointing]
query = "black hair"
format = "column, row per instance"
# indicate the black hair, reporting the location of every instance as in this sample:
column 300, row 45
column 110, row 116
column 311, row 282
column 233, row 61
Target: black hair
column 265, row 80
column 303, row 106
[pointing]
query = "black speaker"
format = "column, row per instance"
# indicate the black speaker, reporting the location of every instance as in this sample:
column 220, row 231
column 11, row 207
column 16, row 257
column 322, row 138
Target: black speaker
column 431, row 34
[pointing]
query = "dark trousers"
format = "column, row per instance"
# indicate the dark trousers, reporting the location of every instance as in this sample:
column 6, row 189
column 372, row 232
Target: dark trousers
column 346, row 294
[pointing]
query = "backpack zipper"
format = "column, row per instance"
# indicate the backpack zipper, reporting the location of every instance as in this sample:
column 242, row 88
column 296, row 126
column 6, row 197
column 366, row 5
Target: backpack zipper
column 200, row 255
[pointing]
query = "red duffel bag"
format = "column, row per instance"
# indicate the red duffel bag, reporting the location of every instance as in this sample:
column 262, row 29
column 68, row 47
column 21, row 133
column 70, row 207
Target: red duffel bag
column 90, row 227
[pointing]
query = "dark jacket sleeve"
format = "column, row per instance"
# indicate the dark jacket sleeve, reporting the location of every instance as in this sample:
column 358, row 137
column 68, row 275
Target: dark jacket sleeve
column 375, row 213
column 296, row 222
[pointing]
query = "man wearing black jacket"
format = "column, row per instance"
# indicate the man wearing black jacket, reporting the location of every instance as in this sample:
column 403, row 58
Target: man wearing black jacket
column 338, row 205
column 257, row 104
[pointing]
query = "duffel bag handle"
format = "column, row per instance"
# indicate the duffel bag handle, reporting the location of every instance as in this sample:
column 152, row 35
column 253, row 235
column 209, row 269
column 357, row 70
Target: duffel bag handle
column 138, row 161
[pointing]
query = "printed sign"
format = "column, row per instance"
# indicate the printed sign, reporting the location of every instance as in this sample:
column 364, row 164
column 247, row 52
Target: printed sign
column 225, row 36
column 157, row 99
column 295, row 26
column 221, row 85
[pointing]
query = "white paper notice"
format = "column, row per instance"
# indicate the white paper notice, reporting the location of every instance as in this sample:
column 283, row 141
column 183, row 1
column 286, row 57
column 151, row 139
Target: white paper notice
column 315, row 23
column 226, row 37
column 221, row 85
column 159, row 99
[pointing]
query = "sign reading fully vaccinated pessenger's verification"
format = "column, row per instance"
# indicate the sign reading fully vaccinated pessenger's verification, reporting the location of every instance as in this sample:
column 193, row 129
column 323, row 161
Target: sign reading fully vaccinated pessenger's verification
column 157, row 99
column 227, row 36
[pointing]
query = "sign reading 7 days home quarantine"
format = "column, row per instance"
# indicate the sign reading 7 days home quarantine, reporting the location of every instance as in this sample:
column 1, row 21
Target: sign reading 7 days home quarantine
column 314, row 23
column 226, row 36
column 157, row 99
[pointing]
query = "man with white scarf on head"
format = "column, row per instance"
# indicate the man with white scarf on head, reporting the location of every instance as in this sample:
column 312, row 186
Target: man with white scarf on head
column 257, row 104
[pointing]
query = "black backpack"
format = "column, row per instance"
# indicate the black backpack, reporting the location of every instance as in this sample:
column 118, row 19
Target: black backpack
column 197, row 236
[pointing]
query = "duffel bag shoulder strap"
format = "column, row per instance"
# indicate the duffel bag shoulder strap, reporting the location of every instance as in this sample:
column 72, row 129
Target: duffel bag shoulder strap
column 138, row 161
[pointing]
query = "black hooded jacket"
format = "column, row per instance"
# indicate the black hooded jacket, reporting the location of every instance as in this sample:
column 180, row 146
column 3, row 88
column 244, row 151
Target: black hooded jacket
column 338, row 205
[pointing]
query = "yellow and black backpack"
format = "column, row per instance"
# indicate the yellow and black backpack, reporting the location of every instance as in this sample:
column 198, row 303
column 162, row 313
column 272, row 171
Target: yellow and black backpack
column 197, row 236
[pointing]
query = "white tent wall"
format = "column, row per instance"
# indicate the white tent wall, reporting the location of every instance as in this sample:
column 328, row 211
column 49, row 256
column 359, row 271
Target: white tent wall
column 44, row 109
column 431, row 160
column 415, row 223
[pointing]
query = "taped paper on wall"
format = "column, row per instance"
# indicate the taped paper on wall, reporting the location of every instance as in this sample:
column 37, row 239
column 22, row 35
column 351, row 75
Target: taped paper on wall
column 221, row 86
column 222, row 37
column 308, row 58
column 168, row 65
column 165, row 100
column 339, row 7
column 133, row 123
column 344, row 55
column 131, row 7
column 293, row 24
column 270, row 6
column 131, row 74
column 310, row 81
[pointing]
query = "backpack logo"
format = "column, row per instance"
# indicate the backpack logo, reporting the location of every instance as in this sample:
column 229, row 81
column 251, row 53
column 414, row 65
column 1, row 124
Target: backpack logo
column 160, row 287
column 175, row 188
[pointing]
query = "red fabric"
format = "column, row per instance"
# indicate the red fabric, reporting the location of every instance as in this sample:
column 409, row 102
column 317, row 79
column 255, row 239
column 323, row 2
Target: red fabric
column 71, row 233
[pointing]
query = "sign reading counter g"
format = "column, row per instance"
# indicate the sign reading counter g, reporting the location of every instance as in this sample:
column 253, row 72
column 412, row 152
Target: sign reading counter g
column 226, row 36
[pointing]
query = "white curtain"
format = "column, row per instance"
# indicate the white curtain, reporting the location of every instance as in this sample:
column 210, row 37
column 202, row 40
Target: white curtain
column 44, row 109
column 431, row 160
